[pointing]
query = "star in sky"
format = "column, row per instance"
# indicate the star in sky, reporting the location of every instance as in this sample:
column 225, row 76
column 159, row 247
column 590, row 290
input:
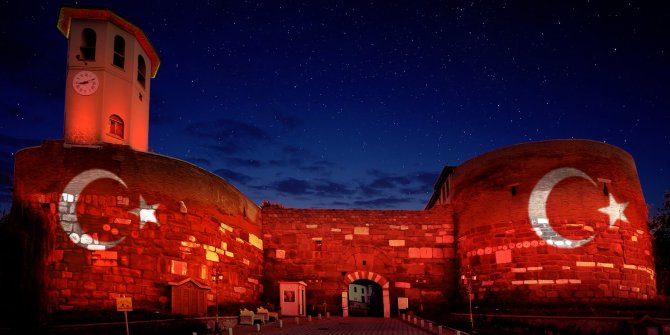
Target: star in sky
column 615, row 211
column 147, row 213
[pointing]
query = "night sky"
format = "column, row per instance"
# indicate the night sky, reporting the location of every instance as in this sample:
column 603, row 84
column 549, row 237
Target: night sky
column 352, row 104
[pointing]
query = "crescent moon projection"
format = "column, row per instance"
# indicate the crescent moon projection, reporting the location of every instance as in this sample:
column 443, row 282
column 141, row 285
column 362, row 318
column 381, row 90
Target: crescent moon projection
column 68, row 213
column 537, row 207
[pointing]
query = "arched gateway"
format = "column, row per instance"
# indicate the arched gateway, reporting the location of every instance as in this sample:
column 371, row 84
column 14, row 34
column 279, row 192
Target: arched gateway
column 375, row 277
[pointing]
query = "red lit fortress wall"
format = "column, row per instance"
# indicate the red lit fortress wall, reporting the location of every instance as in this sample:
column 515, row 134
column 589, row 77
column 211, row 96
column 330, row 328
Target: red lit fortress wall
column 411, row 251
column 594, row 244
column 109, row 243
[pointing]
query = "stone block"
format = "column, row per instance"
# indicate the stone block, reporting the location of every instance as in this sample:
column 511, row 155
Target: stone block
column 586, row 264
column 75, row 257
column 59, row 283
column 416, row 269
column 397, row 243
column 91, row 286
column 361, row 231
column 104, row 254
column 112, row 279
column 403, row 285
column 144, row 262
column 414, row 252
column 77, row 301
column 503, row 256
column 211, row 256
column 426, row 252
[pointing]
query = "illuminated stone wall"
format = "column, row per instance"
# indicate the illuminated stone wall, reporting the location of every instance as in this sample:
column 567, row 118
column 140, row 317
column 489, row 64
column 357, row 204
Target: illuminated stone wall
column 553, row 221
column 545, row 221
column 412, row 252
column 124, row 222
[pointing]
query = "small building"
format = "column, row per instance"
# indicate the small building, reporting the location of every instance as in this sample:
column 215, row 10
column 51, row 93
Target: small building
column 292, row 302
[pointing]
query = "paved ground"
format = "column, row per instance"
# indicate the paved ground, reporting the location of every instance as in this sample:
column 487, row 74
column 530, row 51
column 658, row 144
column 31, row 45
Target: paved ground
column 336, row 326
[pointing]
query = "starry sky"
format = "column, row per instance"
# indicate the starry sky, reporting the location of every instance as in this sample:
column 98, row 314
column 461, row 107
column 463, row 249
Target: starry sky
column 354, row 104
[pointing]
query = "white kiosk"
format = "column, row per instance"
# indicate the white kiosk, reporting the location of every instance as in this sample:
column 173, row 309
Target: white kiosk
column 292, row 298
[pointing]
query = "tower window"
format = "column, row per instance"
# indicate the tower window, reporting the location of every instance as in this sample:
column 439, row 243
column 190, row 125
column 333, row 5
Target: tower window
column 88, row 40
column 119, row 51
column 141, row 70
column 116, row 126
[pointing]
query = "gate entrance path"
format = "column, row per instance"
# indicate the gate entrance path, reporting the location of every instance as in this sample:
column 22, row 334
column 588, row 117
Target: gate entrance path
column 338, row 326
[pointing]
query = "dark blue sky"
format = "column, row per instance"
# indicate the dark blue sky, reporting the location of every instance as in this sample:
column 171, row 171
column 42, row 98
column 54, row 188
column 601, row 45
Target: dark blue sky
column 351, row 104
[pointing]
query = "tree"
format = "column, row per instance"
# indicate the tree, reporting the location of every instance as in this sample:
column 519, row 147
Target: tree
column 659, row 228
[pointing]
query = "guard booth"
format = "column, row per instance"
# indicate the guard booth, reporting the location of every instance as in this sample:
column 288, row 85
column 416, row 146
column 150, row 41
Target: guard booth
column 292, row 298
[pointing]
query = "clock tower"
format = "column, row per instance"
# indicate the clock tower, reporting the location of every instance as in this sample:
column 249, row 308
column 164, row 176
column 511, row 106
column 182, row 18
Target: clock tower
column 109, row 65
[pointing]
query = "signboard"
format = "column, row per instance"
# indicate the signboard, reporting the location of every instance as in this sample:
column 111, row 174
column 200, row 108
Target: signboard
column 124, row 304
column 403, row 303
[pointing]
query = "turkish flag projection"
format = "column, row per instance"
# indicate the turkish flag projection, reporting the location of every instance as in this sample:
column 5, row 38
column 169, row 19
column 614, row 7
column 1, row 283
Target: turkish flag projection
column 85, row 225
column 574, row 226
column 126, row 222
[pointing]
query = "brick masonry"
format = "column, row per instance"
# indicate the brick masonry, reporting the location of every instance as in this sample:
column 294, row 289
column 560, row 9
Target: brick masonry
column 203, row 223
column 496, row 239
column 412, row 250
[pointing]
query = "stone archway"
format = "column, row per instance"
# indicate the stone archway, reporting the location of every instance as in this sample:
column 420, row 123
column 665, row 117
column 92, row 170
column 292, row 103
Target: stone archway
column 375, row 277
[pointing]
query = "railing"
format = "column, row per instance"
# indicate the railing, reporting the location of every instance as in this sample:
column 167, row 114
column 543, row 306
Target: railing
column 432, row 326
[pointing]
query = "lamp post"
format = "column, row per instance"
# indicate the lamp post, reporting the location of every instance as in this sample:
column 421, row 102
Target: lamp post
column 468, row 277
column 216, row 277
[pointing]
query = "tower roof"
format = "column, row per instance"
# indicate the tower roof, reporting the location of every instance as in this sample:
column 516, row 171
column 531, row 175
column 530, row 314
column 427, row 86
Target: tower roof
column 67, row 13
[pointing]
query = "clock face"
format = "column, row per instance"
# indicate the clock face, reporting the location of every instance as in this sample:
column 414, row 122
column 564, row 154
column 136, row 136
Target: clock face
column 85, row 82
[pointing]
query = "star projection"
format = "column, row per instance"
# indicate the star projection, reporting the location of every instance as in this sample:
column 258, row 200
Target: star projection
column 147, row 213
column 615, row 211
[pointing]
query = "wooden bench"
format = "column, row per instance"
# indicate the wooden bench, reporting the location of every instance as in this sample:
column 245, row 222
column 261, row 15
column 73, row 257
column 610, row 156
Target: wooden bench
column 267, row 315
column 225, row 322
column 248, row 317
